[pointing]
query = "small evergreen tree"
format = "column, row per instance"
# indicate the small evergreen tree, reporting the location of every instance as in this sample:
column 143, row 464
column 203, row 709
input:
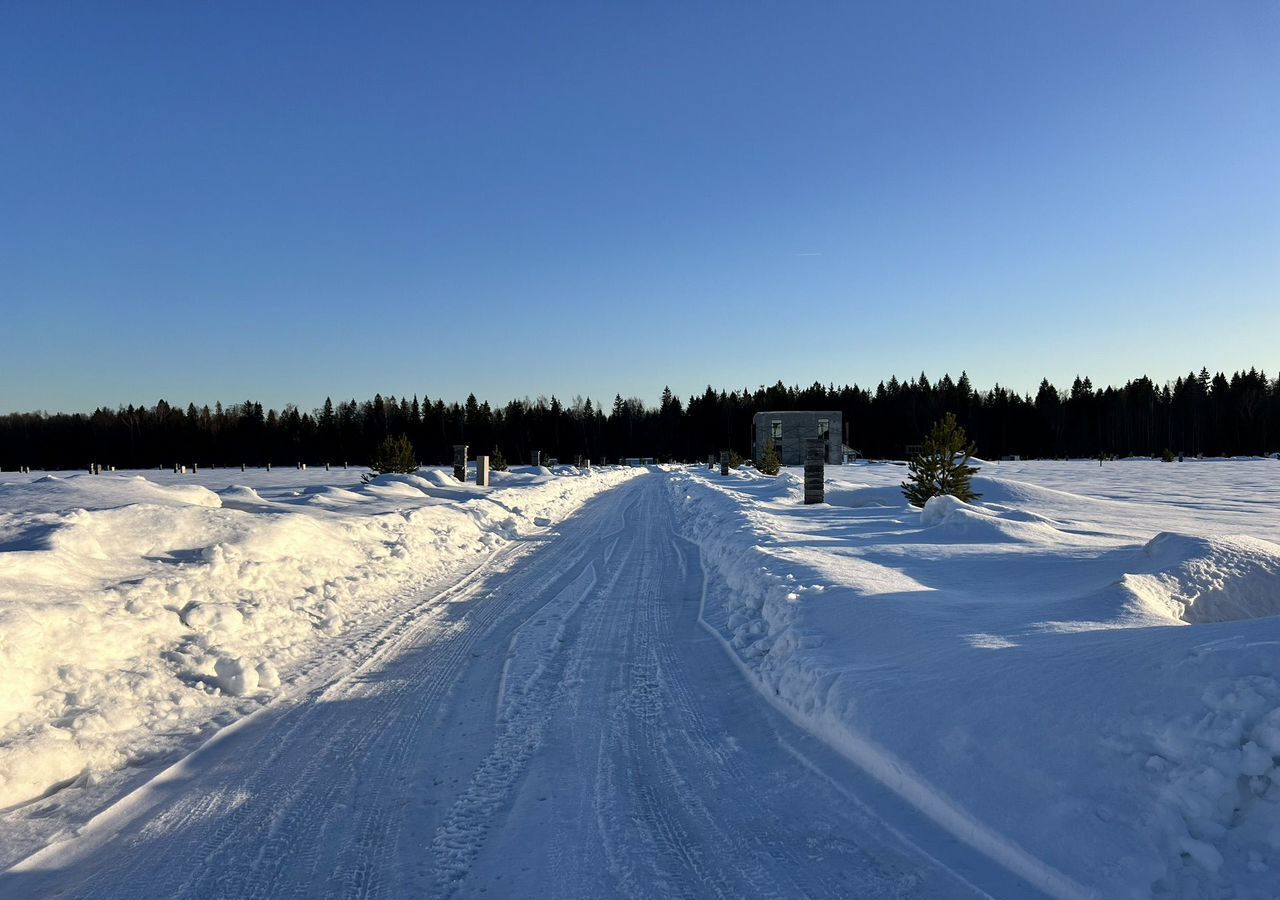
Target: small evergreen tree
column 395, row 454
column 770, row 462
column 735, row 459
column 1167, row 456
column 942, row 466
column 497, row 461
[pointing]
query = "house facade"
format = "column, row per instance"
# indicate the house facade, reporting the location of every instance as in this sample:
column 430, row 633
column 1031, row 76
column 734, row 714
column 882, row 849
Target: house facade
column 791, row 430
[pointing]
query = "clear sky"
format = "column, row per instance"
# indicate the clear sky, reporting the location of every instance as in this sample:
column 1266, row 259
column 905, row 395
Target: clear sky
column 204, row 201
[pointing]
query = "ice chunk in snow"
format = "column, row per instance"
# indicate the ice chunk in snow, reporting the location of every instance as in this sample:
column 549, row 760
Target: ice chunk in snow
column 235, row 677
column 268, row 677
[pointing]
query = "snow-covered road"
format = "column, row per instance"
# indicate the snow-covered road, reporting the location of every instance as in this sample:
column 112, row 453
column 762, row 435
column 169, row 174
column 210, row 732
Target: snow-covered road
column 560, row 726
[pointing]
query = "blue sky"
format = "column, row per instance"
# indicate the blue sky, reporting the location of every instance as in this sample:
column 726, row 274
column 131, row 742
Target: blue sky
column 288, row 201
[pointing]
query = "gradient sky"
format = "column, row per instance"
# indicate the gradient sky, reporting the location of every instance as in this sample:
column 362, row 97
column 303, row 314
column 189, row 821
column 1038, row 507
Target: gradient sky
column 204, row 201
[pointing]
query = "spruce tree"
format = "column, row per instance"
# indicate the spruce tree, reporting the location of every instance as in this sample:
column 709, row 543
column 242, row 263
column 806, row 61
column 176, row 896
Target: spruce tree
column 497, row 461
column 395, row 454
column 770, row 462
column 942, row 466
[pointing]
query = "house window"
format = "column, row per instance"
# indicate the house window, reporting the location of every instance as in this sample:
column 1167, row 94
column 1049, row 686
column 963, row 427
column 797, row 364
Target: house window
column 824, row 429
column 775, row 430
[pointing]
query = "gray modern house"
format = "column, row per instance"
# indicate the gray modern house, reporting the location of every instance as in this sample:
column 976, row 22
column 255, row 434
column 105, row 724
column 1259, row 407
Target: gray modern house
column 791, row 430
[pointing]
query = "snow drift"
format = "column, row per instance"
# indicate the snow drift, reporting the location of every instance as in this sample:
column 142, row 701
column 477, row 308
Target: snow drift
column 1208, row 579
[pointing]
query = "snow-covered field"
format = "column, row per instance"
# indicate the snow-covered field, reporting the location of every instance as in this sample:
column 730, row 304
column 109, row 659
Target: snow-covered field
column 138, row 611
column 1078, row 676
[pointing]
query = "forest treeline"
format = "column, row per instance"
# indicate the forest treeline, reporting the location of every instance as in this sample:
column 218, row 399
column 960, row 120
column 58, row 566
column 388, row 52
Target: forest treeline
column 1199, row 413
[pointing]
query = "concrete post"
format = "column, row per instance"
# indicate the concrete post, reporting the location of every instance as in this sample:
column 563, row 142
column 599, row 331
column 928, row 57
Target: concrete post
column 536, row 457
column 724, row 462
column 814, row 472
column 268, row 467
column 482, row 471
column 460, row 462
column 326, row 467
column 195, row 468
column 241, row 467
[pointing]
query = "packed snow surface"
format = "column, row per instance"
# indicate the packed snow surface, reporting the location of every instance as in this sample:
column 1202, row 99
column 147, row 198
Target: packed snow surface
column 1070, row 687
column 1077, row 675
column 138, row 610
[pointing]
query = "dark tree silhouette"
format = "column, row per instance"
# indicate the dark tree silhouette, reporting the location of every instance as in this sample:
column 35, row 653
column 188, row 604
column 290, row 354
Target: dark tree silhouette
column 1199, row 413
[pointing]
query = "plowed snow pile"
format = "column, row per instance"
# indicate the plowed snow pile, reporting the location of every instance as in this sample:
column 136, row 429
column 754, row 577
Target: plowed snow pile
column 132, row 613
column 1079, row 674
column 1209, row 579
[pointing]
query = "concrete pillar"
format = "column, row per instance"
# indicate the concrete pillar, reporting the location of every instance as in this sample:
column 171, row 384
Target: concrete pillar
column 537, row 457
column 326, row 467
column 482, row 471
column 268, row 467
column 241, row 467
column 814, row 472
column 175, row 468
column 195, row 468
column 711, row 462
column 460, row 462
column 724, row 462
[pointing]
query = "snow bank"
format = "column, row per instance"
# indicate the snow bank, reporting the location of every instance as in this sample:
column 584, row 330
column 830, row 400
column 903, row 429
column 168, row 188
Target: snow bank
column 1208, row 579
column 1020, row 668
column 132, row 612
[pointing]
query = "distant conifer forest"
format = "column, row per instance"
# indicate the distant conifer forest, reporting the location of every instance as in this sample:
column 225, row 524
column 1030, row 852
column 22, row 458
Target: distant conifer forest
column 1197, row 414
